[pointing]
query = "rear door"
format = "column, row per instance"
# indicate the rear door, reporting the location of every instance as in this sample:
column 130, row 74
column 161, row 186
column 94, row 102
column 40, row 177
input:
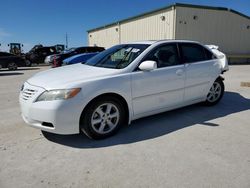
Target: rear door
column 199, row 68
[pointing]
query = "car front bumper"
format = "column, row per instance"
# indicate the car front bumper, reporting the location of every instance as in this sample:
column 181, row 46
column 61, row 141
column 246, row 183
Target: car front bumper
column 59, row 116
column 48, row 60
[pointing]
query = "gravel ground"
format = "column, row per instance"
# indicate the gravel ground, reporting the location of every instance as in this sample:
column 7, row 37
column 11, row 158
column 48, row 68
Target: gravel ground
column 195, row 146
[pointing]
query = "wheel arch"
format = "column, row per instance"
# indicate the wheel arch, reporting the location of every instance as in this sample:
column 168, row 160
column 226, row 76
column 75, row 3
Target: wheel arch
column 220, row 77
column 111, row 94
column 216, row 78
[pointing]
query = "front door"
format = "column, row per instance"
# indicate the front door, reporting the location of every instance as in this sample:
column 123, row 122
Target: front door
column 160, row 88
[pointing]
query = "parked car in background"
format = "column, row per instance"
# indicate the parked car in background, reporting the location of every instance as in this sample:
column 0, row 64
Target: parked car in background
column 11, row 61
column 80, row 58
column 38, row 53
column 121, row 84
column 49, row 59
column 57, row 60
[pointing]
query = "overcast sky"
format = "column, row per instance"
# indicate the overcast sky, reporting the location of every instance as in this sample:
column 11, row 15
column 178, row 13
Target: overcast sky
column 46, row 21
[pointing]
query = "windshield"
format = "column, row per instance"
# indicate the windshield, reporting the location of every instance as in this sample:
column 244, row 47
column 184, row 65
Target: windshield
column 117, row 57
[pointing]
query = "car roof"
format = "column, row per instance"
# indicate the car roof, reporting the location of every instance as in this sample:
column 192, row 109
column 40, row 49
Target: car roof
column 88, row 47
column 150, row 42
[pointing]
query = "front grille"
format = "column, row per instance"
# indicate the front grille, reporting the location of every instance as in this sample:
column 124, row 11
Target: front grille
column 28, row 93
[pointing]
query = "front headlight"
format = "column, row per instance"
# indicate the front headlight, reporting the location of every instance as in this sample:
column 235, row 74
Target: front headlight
column 61, row 94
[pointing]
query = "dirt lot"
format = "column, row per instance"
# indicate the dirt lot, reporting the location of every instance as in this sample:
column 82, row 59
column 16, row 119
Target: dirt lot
column 195, row 146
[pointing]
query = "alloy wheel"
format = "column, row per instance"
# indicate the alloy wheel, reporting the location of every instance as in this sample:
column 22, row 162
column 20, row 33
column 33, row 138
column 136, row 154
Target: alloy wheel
column 214, row 93
column 105, row 118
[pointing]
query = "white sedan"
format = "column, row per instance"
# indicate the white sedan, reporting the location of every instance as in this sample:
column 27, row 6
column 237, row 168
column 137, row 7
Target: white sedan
column 121, row 84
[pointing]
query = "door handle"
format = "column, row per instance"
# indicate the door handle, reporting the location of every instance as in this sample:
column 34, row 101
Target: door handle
column 179, row 72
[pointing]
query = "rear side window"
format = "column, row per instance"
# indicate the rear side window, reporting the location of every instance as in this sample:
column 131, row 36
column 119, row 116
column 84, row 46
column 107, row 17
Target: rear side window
column 209, row 54
column 193, row 53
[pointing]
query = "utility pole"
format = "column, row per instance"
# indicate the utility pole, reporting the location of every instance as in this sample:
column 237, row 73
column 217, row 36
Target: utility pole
column 66, row 40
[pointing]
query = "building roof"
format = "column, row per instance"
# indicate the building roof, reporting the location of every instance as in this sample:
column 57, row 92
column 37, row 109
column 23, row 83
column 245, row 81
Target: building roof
column 169, row 7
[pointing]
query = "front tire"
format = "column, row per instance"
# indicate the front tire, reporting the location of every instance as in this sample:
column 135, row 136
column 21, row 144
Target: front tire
column 102, row 118
column 215, row 93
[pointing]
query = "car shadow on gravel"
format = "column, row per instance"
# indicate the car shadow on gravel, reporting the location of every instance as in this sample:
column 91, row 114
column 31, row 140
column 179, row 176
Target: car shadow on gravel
column 30, row 68
column 162, row 124
column 20, row 69
column 10, row 73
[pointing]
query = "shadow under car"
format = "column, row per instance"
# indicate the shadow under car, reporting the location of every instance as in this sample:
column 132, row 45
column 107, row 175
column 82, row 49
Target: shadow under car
column 160, row 124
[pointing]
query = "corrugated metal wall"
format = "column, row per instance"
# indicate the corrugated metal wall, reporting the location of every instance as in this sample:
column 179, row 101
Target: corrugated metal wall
column 223, row 28
column 105, row 37
column 156, row 26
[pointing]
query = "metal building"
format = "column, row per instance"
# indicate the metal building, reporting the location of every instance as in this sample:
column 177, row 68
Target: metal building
column 227, row 28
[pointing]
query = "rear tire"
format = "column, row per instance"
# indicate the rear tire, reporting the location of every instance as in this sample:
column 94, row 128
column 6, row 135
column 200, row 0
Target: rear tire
column 102, row 118
column 28, row 63
column 216, row 92
column 12, row 65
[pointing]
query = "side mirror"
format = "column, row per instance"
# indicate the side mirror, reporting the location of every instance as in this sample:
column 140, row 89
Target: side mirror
column 148, row 65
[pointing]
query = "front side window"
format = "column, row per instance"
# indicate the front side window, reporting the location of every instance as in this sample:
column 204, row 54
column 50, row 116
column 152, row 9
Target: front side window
column 193, row 53
column 117, row 57
column 165, row 56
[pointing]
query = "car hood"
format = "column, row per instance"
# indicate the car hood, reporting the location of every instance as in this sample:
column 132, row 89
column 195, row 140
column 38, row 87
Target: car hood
column 63, row 76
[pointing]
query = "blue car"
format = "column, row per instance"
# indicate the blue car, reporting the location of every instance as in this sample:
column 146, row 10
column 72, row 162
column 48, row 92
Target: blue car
column 79, row 58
